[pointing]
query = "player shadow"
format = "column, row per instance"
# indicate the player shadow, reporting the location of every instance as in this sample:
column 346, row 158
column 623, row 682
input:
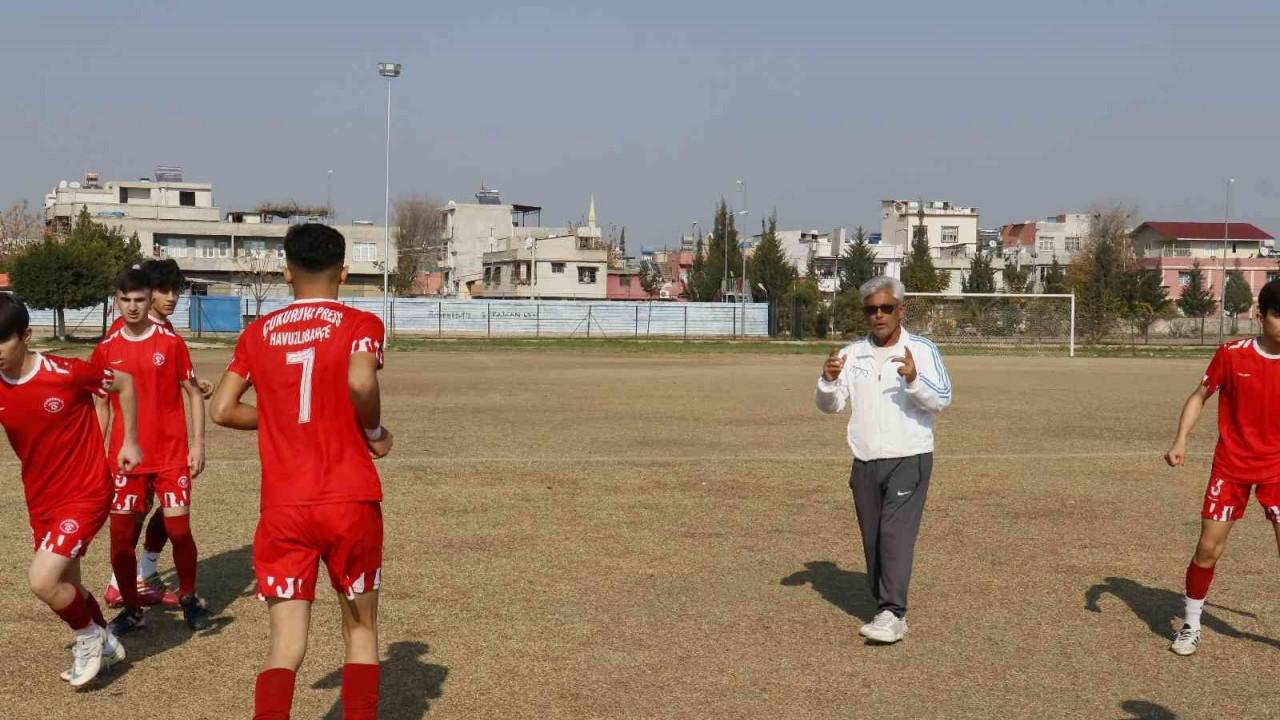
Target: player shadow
column 846, row 589
column 1159, row 608
column 1143, row 710
column 408, row 684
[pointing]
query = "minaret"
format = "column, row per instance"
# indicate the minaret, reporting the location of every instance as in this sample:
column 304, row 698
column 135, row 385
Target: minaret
column 591, row 213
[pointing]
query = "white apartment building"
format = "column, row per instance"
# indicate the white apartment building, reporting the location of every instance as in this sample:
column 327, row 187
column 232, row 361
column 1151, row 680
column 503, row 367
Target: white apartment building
column 823, row 250
column 952, row 231
column 1041, row 244
column 556, row 267
column 179, row 220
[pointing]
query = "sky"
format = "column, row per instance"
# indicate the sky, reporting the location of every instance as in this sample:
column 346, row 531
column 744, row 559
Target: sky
column 822, row 108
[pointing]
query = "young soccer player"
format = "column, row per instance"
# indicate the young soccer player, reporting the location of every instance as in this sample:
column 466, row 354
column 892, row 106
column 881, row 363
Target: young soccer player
column 167, row 283
column 1247, row 457
column 314, row 367
column 160, row 365
column 47, row 410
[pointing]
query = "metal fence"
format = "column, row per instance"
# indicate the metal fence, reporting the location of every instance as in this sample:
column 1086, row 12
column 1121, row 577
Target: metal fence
column 511, row 318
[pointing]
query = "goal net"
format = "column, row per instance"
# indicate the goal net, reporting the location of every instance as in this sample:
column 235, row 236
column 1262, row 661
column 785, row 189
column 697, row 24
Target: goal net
column 993, row 318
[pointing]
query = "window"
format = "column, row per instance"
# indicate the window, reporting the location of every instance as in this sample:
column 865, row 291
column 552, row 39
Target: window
column 488, row 275
column 950, row 234
column 497, row 275
column 1045, row 243
column 1184, row 278
column 624, row 281
column 1073, row 243
column 364, row 252
column 187, row 198
column 878, row 268
column 1273, row 276
column 587, row 275
column 557, row 268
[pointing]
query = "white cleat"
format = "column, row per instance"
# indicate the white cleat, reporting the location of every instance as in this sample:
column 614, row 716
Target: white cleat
column 885, row 627
column 112, row 653
column 1186, row 641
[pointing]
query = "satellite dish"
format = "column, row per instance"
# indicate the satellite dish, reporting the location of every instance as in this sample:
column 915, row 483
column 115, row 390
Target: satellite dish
column 62, row 184
column 528, row 242
column 74, row 185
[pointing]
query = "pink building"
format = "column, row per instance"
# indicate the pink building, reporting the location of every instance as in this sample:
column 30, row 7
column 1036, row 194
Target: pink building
column 624, row 284
column 1174, row 248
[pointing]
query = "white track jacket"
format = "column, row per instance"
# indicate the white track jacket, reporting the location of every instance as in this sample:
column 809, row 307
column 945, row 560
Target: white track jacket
column 890, row 419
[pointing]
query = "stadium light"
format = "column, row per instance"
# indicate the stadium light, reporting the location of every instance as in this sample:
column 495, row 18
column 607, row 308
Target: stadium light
column 389, row 71
column 1226, row 237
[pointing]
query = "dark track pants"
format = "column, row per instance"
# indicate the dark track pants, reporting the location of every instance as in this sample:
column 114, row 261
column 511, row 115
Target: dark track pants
column 889, row 496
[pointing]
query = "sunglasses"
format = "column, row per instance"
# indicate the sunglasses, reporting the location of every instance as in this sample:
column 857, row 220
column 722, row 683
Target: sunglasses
column 886, row 309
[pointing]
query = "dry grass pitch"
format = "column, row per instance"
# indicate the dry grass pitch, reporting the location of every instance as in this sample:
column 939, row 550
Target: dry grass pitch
column 604, row 534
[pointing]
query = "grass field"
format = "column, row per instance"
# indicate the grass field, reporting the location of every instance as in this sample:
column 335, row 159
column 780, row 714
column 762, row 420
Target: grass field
column 620, row 535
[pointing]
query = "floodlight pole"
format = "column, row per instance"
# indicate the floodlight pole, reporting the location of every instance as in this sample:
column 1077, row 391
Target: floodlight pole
column 1226, row 236
column 389, row 71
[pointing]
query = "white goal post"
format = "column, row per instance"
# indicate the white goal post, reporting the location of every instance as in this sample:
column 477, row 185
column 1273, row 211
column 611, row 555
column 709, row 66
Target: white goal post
column 994, row 318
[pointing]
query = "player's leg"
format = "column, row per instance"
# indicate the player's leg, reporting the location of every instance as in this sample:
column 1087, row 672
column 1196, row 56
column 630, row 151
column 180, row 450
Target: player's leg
column 174, row 491
column 361, row 673
column 124, row 526
column 1224, row 503
column 273, row 692
column 54, row 579
column 153, row 589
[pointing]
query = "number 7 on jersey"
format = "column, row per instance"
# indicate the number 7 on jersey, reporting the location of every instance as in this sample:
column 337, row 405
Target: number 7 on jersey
column 307, row 359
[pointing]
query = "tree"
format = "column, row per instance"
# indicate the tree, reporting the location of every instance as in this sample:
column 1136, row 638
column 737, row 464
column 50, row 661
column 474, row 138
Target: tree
column 1145, row 299
column 723, row 240
column 419, row 241
column 622, row 242
column 857, row 262
column 918, row 272
column 19, row 226
column 260, row 274
column 1016, row 279
column 1196, row 300
column 697, row 279
column 803, row 314
column 769, row 266
column 1238, row 298
column 1055, row 279
column 1096, row 274
column 651, row 279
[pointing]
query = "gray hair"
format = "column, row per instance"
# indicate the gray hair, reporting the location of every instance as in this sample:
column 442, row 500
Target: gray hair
column 883, row 282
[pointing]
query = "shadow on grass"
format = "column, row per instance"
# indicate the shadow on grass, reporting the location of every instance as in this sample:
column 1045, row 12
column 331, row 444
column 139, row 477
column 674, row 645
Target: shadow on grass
column 409, row 684
column 846, row 589
column 1159, row 608
column 1143, row 710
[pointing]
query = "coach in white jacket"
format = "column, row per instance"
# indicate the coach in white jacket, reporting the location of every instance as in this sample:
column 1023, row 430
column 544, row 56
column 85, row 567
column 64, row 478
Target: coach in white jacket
column 894, row 382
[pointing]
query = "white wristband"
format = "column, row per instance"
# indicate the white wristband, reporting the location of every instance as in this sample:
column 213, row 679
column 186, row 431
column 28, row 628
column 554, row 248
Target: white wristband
column 374, row 434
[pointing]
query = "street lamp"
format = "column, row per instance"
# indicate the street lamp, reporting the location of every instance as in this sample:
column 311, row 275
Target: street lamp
column 389, row 71
column 742, row 250
column 1226, row 236
column 328, row 196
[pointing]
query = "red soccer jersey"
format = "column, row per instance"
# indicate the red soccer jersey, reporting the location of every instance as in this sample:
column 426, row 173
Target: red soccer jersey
column 118, row 324
column 1248, row 412
column 159, row 363
column 49, row 417
column 312, row 447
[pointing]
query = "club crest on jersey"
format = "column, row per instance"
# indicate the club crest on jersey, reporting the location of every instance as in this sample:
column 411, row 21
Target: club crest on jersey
column 68, row 527
column 158, row 359
column 184, row 482
column 54, row 405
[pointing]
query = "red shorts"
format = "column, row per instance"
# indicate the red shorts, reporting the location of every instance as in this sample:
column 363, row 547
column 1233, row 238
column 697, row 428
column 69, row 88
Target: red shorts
column 290, row 540
column 68, row 530
column 133, row 492
column 1226, row 499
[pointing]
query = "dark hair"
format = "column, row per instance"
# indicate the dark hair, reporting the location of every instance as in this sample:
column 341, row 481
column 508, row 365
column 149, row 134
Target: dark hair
column 313, row 247
column 13, row 316
column 164, row 274
column 1269, row 298
column 132, row 279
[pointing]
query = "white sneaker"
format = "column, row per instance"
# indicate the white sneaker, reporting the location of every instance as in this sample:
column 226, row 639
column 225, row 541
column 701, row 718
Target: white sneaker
column 885, row 627
column 1185, row 641
column 112, row 653
column 88, row 656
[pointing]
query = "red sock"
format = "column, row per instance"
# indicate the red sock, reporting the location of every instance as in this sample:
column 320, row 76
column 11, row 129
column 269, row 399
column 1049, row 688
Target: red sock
column 273, row 694
column 360, row 691
column 76, row 614
column 124, row 562
column 1198, row 580
column 184, row 552
column 95, row 611
column 157, row 536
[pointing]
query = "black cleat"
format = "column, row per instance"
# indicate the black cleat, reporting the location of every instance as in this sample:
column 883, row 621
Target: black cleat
column 128, row 620
column 194, row 612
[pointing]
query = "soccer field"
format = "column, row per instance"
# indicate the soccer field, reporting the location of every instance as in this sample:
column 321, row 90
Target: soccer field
column 602, row 534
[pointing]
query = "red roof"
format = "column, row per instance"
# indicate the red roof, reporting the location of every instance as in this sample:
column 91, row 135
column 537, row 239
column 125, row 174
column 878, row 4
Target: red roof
column 1205, row 230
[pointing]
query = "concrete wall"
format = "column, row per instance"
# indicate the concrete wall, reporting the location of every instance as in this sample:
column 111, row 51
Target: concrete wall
column 473, row 230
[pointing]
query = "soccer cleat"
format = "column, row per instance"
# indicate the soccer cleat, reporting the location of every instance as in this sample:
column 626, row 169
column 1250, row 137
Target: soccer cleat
column 112, row 653
column 194, row 612
column 127, row 621
column 1185, row 641
column 885, row 627
column 88, row 657
column 153, row 591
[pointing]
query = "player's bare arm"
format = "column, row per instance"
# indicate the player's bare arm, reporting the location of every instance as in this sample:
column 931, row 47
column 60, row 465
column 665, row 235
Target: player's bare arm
column 1191, row 410
column 102, row 407
column 206, row 388
column 366, row 396
column 130, row 453
column 195, row 453
column 227, row 408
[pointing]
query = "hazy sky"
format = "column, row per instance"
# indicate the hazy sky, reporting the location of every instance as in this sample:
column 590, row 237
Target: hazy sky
column 1023, row 109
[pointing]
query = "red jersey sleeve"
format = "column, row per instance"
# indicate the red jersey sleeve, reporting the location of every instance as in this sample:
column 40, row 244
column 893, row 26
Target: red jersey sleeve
column 1217, row 373
column 240, row 358
column 186, row 371
column 367, row 336
column 92, row 377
